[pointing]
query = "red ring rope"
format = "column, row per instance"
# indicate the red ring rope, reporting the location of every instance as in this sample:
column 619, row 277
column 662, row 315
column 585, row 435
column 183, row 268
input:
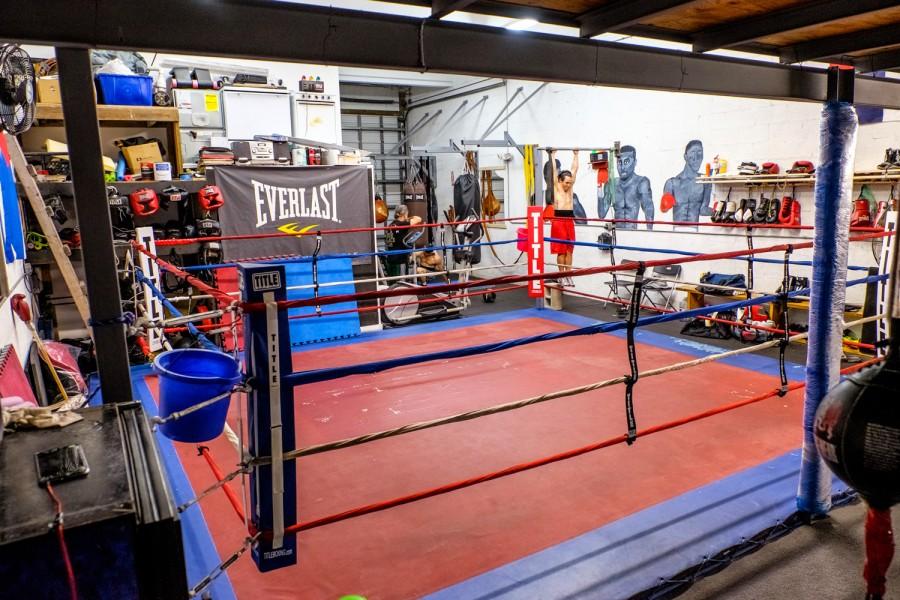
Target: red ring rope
column 277, row 234
column 451, row 487
column 509, row 279
column 200, row 285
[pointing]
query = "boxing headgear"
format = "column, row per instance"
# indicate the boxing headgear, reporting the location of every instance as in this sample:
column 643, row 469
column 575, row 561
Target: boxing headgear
column 173, row 230
column 144, row 202
column 667, row 202
column 172, row 195
column 210, row 198
column 208, row 228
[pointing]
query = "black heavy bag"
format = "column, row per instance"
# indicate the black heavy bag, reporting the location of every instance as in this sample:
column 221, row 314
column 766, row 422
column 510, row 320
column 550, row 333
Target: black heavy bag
column 414, row 193
column 466, row 204
column 857, row 431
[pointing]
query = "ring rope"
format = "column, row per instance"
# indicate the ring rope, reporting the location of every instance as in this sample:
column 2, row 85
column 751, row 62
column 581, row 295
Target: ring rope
column 279, row 234
column 216, row 293
column 482, row 412
column 519, row 468
column 749, row 257
column 291, row 258
column 774, row 330
column 256, row 306
column 324, row 374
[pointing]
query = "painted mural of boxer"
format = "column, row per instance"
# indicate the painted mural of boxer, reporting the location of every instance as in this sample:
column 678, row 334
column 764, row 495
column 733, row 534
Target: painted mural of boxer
column 691, row 198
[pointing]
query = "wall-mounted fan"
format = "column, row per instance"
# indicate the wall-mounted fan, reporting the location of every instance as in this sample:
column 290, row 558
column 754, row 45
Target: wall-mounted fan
column 16, row 89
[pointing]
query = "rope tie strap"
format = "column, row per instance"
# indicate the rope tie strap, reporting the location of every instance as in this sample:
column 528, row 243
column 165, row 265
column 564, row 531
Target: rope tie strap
column 315, row 270
column 192, row 409
column 750, row 262
column 220, row 568
column 634, row 310
column 785, row 321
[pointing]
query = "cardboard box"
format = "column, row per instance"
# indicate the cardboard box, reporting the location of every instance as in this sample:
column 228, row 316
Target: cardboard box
column 48, row 90
column 142, row 153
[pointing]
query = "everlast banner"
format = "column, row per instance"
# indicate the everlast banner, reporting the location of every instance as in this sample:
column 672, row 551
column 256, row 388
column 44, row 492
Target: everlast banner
column 294, row 200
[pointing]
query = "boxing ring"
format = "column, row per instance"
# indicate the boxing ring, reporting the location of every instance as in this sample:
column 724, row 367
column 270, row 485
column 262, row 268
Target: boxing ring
column 497, row 456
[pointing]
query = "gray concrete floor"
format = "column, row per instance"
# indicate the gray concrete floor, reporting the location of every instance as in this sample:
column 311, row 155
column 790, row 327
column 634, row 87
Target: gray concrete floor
column 821, row 561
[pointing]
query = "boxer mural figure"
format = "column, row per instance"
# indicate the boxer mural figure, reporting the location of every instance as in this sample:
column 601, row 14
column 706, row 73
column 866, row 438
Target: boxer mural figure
column 632, row 192
column 691, row 198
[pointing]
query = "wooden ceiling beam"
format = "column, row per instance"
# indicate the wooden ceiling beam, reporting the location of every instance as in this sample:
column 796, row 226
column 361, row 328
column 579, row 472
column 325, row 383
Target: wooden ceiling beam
column 621, row 13
column 789, row 19
column 442, row 8
column 843, row 44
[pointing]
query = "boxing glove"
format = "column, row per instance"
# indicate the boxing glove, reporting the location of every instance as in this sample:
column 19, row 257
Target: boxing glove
column 762, row 210
column 880, row 212
column 749, row 210
column 774, row 208
column 785, row 210
column 861, row 217
column 739, row 213
column 730, row 209
column 717, row 206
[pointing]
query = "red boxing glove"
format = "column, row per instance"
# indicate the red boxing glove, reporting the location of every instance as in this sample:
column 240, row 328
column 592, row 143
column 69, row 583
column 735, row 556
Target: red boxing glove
column 861, row 216
column 786, row 210
column 667, row 202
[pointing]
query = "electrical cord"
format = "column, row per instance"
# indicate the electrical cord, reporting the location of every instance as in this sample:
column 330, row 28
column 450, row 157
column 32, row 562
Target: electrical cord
column 64, row 549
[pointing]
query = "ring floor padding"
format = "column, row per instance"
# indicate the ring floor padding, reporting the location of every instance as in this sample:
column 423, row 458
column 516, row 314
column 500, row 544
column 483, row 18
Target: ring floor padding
column 428, row 546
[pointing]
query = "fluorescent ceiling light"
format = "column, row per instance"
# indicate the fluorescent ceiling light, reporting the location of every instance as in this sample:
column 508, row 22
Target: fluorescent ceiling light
column 521, row 24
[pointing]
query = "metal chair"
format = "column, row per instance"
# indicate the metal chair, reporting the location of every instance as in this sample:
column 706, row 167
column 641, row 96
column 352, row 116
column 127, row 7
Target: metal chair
column 662, row 282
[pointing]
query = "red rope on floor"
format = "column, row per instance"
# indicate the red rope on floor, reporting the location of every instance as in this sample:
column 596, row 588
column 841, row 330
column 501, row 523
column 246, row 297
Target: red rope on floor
column 232, row 495
column 508, row 279
column 519, row 468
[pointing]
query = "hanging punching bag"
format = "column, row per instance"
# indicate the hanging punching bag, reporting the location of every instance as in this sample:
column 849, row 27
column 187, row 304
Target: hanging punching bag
column 858, row 431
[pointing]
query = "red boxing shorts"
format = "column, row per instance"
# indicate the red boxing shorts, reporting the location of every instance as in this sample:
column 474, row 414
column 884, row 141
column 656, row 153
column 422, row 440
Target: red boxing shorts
column 562, row 229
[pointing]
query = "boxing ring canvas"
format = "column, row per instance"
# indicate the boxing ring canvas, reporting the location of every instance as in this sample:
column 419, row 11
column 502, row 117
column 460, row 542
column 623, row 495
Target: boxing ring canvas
column 605, row 524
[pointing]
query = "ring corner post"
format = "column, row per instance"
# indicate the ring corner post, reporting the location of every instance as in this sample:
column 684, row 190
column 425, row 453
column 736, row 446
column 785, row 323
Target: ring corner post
column 834, row 186
column 267, row 352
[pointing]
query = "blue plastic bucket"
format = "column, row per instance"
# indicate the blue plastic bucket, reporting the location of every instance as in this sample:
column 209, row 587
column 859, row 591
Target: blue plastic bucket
column 191, row 376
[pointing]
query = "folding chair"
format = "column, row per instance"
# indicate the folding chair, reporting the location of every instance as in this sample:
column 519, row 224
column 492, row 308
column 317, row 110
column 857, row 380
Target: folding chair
column 662, row 282
column 621, row 286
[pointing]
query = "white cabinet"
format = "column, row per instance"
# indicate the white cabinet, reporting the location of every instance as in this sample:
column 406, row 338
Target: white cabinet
column 315, row 118
column 253, row 111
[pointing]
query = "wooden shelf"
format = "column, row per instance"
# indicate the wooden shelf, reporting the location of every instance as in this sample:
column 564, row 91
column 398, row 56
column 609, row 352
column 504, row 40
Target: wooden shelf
column 109, row 112
column 892, row 175
column 110, row 115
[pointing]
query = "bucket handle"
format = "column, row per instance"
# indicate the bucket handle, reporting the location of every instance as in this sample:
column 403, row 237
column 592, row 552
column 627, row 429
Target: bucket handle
column 238, row 387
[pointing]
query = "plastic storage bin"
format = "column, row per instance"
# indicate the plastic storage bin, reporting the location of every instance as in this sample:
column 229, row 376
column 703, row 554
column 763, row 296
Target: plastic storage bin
column 135, row 90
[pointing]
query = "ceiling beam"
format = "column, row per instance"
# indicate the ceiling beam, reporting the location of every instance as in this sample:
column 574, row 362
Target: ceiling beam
column 621, row 13
column 838, row 45
column 442, row 8
column 789, row 19
column 880, row 61
column 320, row 35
